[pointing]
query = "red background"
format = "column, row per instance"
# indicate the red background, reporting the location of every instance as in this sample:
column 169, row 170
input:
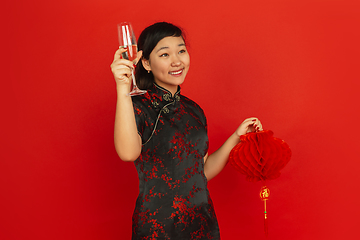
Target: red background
column 293, row 64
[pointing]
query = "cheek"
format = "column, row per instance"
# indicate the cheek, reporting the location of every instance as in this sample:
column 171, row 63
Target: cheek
column 162, row 68
column 154, row 64
column 187, row 61
column 159, row 68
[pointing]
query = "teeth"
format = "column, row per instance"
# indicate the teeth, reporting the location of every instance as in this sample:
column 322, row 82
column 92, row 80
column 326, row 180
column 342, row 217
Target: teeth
column 174, row 73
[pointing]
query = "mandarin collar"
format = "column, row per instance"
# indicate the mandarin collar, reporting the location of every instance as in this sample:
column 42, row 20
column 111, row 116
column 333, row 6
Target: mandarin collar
column 163, row 91
column 161, row 97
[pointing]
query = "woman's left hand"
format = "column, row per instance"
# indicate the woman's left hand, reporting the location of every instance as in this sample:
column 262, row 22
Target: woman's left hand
column 249, row 125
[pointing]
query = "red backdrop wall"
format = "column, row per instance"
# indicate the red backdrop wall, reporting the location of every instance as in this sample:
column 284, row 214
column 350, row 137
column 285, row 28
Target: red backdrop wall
column 293, row 64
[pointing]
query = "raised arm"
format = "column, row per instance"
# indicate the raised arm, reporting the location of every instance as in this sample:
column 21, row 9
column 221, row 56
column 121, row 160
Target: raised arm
column 126, row 138
column 216, row 162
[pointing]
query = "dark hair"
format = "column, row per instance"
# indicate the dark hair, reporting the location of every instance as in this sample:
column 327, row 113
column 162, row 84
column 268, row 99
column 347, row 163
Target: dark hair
column 147, row 41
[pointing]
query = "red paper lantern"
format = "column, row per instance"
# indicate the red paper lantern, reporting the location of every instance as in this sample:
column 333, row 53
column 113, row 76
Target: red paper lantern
column 260, row 157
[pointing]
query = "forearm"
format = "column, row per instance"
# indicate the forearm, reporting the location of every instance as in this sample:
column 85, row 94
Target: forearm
column 126, row 138
column 216, row 162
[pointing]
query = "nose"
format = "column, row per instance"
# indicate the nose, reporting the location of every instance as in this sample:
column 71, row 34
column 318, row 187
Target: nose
column 175, row 61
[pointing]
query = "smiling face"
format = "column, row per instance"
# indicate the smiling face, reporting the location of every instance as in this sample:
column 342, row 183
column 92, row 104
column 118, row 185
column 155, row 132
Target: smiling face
column 169, row 62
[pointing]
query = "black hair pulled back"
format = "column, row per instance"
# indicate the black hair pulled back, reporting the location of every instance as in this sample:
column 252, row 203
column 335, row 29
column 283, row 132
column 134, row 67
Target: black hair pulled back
column 147, row 41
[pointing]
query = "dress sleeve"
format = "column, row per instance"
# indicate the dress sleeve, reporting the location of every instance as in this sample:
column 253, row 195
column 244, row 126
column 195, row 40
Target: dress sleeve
column 202, row 116
column 204, row 120
column 140, row 119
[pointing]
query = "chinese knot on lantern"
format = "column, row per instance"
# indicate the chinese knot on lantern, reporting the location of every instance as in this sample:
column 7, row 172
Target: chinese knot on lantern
column 260, row 157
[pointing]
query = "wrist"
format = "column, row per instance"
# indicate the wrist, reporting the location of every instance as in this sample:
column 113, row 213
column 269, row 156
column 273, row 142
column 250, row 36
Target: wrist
column 122, row 89
column 237, row 136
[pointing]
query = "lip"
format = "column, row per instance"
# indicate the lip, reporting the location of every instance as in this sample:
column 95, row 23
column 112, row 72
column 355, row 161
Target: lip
column 177, row 72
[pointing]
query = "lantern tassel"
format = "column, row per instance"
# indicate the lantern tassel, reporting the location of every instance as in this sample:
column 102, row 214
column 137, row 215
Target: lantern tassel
column 264, row 195
column 265, row 220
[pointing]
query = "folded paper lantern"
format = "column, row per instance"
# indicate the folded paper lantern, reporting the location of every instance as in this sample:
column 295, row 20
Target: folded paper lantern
column 260, row 157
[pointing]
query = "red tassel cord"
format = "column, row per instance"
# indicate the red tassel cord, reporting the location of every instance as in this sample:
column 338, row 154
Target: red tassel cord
column 265, row 220
column 264, row 195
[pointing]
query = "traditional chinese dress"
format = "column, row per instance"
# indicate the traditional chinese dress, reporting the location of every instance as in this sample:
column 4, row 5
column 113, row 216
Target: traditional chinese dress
column 173, row 202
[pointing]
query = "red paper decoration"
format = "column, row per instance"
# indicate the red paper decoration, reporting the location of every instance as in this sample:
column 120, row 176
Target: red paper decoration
column 260, row 156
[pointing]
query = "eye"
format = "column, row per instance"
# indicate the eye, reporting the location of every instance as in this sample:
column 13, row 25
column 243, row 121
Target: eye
column 182, row 51
column 164, row 55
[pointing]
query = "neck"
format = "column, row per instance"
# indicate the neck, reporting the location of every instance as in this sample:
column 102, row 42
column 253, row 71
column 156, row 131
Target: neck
column 171, row 88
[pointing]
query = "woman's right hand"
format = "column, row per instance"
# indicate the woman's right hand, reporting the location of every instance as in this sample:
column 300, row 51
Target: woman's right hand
column 121, row 68
column 126, row 138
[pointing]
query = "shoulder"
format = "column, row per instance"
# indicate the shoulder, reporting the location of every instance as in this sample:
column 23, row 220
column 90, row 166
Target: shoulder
column 192, row 104
column 141, row 105
column 141, row 100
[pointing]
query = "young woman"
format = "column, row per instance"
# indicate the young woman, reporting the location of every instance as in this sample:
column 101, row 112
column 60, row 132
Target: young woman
column 165, row 134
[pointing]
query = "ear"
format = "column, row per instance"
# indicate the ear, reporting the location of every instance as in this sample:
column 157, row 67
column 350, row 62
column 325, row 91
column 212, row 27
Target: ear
column 139, row 55
column 146, row 64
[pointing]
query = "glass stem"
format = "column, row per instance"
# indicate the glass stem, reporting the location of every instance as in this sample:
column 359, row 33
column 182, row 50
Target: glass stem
column 133, row 79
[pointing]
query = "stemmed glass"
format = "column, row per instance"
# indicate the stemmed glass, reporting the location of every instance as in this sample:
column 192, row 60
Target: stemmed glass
column 127, row 40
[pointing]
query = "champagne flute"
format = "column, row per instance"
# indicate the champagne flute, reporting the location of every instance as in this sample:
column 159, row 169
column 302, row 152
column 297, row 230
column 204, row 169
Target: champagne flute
column 127, row 40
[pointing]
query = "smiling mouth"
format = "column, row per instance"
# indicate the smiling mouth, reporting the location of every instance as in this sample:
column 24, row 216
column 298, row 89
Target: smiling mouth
column 176, row 72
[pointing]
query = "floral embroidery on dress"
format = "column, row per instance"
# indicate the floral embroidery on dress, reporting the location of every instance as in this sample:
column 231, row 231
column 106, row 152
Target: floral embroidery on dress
column 173, row 202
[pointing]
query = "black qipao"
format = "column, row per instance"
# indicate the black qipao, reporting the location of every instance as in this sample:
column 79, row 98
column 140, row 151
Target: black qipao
column 174, row 201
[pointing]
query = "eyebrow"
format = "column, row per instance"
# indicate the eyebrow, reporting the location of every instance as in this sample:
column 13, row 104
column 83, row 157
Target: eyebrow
column 181, row 44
